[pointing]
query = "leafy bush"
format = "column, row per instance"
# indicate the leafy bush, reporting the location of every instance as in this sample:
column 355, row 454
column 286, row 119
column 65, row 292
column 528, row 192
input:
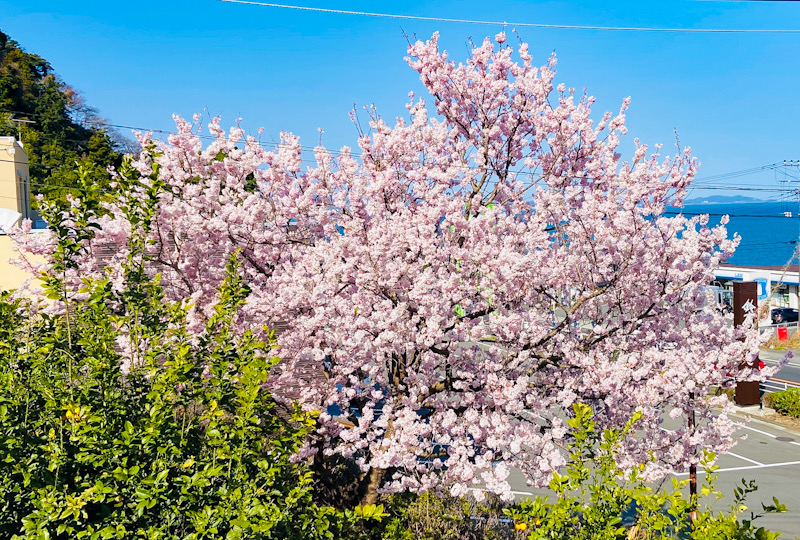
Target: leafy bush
column 787, row 402
column 186, row 446
column 115, row 422
column 432, row 517
column 596, row 499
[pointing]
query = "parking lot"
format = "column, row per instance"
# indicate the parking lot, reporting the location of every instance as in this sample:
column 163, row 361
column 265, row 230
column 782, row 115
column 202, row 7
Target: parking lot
column 768, row 454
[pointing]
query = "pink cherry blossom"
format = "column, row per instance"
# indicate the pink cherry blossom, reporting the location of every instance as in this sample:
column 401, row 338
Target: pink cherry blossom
column 449, row 289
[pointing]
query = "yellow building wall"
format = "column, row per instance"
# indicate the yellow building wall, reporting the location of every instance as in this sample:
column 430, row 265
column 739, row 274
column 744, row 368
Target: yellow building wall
column 14, row 195
column 11, row 277
column 15, row 191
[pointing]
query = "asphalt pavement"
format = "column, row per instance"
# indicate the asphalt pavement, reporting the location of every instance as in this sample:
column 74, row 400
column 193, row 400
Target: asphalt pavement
column 768, row 454
column 791, row 371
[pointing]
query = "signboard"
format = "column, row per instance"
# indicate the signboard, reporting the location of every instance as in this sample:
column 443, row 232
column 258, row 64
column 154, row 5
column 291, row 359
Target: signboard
column 763, row 288
column 747, row 392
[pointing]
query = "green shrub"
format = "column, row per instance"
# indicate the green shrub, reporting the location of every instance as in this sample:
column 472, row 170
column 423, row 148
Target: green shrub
column 185, row 442
column 787, row 402
column 594, row 498
column 766, row 400
column 186, row 445
column 432, row 517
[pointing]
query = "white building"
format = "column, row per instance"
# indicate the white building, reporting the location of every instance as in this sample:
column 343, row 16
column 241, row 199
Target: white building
column 777, row 285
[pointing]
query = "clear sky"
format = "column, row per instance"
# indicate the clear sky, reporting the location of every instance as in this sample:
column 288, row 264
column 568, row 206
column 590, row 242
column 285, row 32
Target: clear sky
column 732, row 97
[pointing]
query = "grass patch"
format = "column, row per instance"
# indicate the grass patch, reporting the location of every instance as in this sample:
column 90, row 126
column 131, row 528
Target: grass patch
column 792, row 343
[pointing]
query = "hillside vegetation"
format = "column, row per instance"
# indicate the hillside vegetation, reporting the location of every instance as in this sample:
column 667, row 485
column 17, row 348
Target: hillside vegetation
column 56, row 125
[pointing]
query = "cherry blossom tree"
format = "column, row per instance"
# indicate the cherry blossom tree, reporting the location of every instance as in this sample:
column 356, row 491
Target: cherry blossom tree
column 449, row 290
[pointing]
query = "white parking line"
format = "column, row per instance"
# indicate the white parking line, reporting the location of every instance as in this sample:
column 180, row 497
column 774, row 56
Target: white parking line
column 754, row 462
column 762, row 432
column 528, row 493
column 749, row 467
column 769, row 435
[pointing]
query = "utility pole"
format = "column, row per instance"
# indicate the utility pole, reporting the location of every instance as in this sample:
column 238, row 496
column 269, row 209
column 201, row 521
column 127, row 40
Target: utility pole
column 798, row 241
column 792, row 163
column 19, row 122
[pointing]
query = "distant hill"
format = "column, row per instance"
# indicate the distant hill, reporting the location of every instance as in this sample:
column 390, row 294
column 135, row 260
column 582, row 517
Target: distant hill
column 723, row 199
column 57, row 127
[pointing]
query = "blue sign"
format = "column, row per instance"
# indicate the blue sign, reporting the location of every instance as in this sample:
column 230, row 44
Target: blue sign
column 721, row 275
column 762, row 288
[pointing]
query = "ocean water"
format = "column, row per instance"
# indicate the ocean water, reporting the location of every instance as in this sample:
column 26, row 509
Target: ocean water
column 769, row 237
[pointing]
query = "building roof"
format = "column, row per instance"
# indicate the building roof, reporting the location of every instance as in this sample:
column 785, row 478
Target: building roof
column 792, row 268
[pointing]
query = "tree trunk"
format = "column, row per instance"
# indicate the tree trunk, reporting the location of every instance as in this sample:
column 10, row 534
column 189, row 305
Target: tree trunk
column 375, row 478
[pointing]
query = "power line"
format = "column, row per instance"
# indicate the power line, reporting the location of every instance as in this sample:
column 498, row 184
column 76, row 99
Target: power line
column 720, row 214
column 666, row 213
column 466, row 167
column 764, row 246
column 771, row 243
column 697, row 183
column 741, row 188
column 276, row 145
column 522, row 24
column 728, row 186
column 736, row 174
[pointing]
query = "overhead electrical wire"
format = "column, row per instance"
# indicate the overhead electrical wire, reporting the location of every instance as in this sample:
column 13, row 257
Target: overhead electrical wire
column 771, row 243
column 666, row 213
column 731, row 215
column 741, row 188
column 737, row 174
column 691, row 188
column 522, row 24
column 697, row 183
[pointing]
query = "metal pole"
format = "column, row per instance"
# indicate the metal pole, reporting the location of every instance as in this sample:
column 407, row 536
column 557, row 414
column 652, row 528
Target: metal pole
column 769, row 300
column 19, row 122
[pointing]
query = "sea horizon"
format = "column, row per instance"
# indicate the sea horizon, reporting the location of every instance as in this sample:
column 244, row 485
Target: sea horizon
column 769, row 229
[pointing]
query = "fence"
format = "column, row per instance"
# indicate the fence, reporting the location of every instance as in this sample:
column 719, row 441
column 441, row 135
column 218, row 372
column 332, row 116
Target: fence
column 773, row 328
column 777, row 385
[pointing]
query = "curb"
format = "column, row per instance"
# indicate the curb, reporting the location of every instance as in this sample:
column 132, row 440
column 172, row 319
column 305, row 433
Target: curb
column 761, row 416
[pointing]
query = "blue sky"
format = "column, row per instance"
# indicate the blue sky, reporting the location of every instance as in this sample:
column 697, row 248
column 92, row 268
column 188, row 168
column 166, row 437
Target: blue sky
column 732, row 97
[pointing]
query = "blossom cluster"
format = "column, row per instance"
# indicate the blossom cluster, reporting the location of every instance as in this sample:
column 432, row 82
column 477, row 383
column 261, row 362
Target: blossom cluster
column 450, row 289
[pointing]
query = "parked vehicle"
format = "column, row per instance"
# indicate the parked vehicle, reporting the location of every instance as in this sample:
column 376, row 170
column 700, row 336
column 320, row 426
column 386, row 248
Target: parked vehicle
column 784, row 314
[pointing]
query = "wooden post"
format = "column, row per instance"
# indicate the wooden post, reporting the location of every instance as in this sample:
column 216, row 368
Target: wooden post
column 747, row 393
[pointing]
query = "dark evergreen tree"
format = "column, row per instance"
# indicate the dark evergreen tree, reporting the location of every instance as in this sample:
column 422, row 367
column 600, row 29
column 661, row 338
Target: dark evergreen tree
column 61, row 131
